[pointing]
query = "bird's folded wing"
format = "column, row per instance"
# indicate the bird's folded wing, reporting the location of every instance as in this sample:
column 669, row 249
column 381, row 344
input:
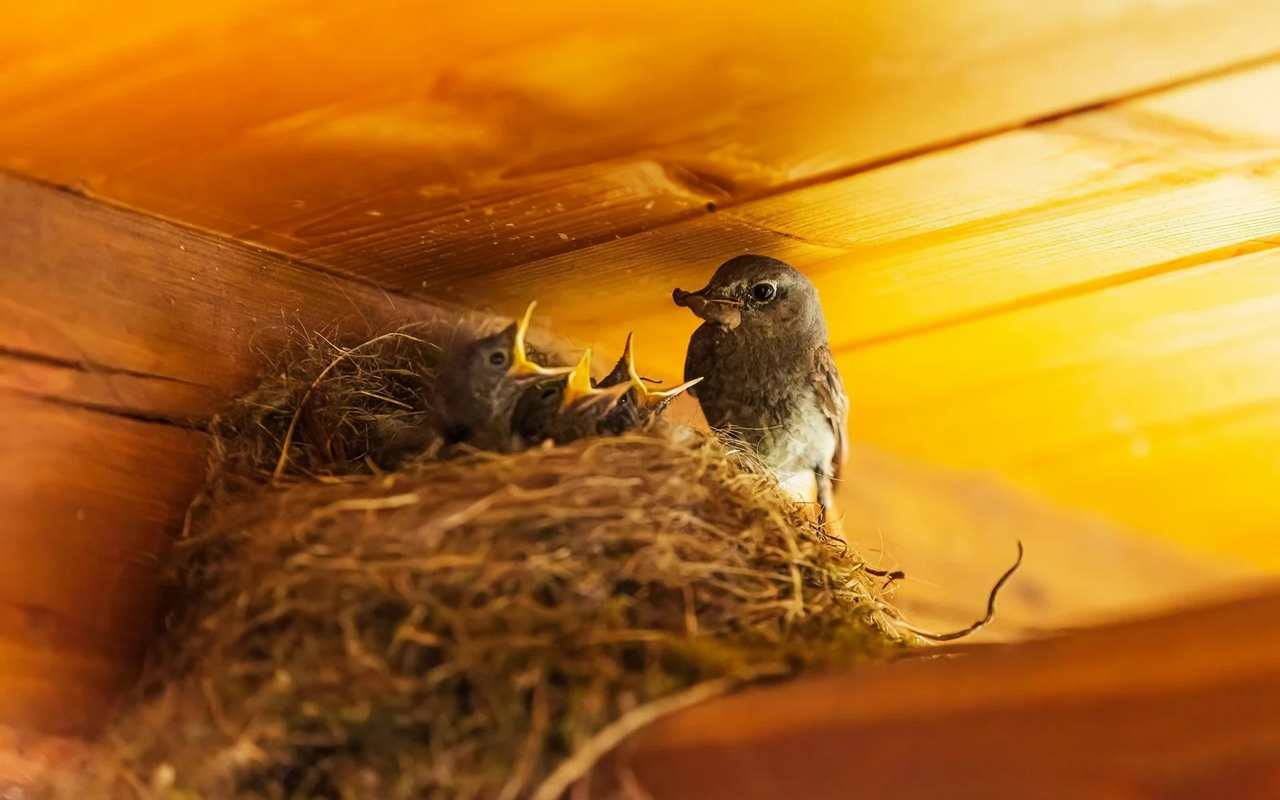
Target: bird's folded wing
column 834, row 403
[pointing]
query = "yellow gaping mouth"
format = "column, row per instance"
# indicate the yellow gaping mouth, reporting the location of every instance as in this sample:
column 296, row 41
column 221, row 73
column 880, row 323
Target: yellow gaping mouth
column 646, row 397
column 520, row 363
column 579, row 392
column 579, row 385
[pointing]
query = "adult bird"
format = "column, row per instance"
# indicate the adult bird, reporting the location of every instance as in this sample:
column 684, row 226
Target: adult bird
column 769, row 378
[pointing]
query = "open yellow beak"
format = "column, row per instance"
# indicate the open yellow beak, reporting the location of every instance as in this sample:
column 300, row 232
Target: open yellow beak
column 578, row 387
column 579, row 384
column 520, row 363
column 645, row 397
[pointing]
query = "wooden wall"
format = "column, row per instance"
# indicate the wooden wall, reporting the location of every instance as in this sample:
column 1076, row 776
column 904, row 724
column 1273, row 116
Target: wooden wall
column 119, row 337
column 1084, row 308
column 1063, row 331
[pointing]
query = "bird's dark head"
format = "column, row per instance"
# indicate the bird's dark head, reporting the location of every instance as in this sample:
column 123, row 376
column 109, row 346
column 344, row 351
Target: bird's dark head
column 504, row 357
column 756, row 292
column 480, row 376
column 490, row 359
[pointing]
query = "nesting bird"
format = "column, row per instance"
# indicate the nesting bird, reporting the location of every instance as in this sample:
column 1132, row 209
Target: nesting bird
column 622, row 370
column 573, row 408
column 481, row 386
column 564, row 409
column 770, row 379
column 497, row 397
column 640, row 405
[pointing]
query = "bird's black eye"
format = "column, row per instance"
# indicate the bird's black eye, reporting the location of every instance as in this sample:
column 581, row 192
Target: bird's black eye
column 498, row 358
column 764, row 291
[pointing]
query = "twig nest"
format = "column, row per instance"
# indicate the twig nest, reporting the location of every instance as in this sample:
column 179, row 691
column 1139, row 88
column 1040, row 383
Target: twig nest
column 473, row 627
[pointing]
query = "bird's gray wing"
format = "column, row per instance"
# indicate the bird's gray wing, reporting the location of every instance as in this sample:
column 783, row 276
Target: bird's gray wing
column 834, row 403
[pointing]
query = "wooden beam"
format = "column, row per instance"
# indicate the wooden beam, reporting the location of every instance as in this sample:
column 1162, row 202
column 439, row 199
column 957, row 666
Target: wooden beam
column 431, row 144
column 123, row 334
column 119, row 336
column 1167, row 708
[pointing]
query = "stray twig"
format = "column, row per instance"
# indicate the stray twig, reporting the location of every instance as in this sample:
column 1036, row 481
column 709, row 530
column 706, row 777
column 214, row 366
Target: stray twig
column 890, row 576
column 991, row 610
column 540, row 720
column 613, row 734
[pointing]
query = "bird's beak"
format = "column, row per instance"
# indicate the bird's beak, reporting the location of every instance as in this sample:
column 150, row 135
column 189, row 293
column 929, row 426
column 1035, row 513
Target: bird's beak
column 521, row 366
column 579, row 385
column 710, row 306
column 579, row 392
column 646, row 397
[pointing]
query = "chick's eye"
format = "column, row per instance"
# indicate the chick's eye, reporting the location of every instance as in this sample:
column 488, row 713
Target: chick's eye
column 498, row 358
column 764, row 292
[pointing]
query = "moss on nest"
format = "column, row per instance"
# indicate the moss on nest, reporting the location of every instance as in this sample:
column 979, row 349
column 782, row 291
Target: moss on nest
column 476, row 626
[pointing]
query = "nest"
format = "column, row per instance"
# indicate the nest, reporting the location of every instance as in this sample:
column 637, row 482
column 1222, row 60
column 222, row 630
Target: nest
column 334, row 408
column 361, row 612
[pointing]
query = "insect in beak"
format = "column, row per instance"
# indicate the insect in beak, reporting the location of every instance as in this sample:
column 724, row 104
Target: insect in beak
column 720, row 310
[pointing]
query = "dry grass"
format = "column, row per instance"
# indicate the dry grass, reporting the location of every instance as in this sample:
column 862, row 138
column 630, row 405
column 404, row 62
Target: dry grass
column 477, row 626
column 334, row 407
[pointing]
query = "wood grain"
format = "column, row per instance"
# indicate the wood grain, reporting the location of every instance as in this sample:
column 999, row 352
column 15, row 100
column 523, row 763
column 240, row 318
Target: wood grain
column 104, row 390
column 28, row 760
column 430, row 143
column 954, row 533
column 1102, row 286
column 1180, row 706
column 119, row 336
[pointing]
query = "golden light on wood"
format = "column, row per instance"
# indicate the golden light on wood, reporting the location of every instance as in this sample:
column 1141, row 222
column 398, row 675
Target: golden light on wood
column 1085, row 308
column 1064, row 332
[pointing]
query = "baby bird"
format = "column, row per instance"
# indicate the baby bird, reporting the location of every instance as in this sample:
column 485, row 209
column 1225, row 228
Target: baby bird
column 565, row 408
column 770, row 377
column 481, row 385
column 571, row 408
column 621, row 372
column 640, row 406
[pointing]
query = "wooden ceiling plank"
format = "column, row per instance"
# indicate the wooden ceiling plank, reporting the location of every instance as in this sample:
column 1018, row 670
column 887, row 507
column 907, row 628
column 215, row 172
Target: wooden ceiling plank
column 1067, row 287
column 348, row 137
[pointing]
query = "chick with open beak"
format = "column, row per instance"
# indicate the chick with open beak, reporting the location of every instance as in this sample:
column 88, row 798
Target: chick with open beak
column 482, row 382
column 770, row 379
column 640, row 406
column 622, row 370
column 565, row 408
column 570, row 407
